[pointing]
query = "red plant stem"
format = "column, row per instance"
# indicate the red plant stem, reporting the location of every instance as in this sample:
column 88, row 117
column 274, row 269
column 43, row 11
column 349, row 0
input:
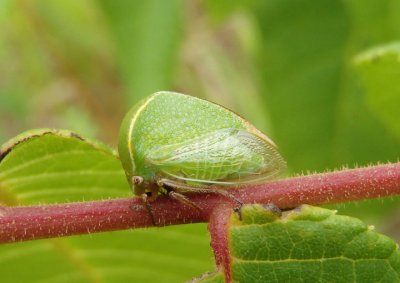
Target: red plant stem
column 36, row 222
column 219, row 239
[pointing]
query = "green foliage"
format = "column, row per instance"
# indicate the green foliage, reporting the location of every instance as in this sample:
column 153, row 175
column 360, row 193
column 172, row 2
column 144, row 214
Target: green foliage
column 311, row 93
column 286, row 66
column 320, row 116
column 309, row 244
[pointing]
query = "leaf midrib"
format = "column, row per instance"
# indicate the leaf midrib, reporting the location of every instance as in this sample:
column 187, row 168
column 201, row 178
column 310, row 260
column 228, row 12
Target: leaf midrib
column 72, row 256
column 43, row 158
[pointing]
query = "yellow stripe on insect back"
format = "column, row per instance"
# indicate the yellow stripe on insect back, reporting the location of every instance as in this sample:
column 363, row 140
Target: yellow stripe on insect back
column 258, row 133
column 132, row 123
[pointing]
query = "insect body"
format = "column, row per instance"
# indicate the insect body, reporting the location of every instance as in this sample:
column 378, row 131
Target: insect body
column 183, row 143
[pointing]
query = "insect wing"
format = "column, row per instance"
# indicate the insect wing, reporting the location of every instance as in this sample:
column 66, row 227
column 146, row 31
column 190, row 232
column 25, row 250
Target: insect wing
column 226, row 156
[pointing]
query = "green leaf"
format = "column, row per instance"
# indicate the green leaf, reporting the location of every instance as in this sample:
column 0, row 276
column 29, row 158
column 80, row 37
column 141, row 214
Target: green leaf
column 147, row 35
column 48, row 166
column 309, row 244
column 380, row 71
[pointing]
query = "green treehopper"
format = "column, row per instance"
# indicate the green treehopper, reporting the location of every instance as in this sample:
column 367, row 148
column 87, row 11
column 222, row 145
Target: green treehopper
column 181, row 143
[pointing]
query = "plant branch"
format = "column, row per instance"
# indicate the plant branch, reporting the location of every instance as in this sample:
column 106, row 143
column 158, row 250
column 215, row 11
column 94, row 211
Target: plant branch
column 45, row 221
column 218, row 229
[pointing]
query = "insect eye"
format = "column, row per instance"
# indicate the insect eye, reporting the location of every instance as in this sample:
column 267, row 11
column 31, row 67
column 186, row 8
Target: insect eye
column 137, row 180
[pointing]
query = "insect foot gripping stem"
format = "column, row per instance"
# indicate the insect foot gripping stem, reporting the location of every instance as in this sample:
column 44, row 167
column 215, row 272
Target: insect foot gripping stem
column 272, row 207
column 269, row 207
column 147, row 205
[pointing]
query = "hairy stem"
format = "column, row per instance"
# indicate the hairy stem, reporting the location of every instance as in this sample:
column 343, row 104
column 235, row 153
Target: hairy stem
column 45, row 221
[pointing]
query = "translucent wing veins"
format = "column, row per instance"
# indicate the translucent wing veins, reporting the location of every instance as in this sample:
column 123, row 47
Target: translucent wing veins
column 226, row 156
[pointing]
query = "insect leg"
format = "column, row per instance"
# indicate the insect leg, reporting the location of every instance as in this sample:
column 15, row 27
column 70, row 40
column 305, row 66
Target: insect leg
column 182, row 187
column 181, row 198
column 147, row 205
column 226, row 194
column 179, row 187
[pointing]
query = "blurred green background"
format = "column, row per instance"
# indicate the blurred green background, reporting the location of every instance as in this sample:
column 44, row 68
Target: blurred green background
column 286, row 66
